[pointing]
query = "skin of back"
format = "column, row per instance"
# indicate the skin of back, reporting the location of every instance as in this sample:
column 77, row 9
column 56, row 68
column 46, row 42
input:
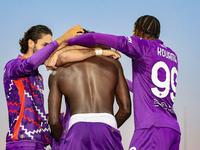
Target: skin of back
column 90, row 87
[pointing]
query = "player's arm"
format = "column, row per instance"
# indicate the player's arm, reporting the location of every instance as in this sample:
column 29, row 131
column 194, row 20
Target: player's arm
column 131, row 46
column 24, row 66
column 72, row 32
column 20, row 67
column 77, row 53
column 54, row 105
column 40, row 56
column 62, row 41
column 82, row 54
column 68, row 54
column 95, row 38
column 123, row 99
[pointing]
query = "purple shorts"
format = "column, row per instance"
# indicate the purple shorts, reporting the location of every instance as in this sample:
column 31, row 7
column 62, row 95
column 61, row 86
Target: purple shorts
column 25, row 145
column 91, row 135
column 155, row 138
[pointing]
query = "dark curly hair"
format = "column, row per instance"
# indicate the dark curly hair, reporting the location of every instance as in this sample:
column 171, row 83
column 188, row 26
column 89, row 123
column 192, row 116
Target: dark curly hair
column 88, row 31
column 34, row 33
column 148, row 25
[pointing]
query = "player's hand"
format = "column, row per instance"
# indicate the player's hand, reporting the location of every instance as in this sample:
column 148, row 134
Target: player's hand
column 74, row 31
column 113, row 53
column 50, row 63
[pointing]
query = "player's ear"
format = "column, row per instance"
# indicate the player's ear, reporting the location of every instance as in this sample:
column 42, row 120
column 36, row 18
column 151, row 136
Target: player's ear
column 136, row 33
column 30, row 43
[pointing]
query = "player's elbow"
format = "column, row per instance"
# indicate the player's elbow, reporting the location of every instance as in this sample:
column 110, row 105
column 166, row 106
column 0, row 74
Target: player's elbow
column 127, row 110
column 54, row 123
column 62, row 60
column 56, row 128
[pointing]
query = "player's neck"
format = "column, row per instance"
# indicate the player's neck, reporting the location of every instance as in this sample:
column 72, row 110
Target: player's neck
column 28, row 54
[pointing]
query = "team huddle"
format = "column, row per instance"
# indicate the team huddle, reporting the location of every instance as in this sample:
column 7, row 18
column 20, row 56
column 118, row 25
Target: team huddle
column 86, row 70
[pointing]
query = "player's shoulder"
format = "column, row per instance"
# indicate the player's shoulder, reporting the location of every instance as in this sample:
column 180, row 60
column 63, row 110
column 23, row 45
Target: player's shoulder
column 14, row 61
column 55, row 73
column 113, row 61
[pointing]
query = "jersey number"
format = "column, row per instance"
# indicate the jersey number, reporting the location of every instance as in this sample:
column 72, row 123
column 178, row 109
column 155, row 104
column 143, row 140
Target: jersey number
column 164, row 84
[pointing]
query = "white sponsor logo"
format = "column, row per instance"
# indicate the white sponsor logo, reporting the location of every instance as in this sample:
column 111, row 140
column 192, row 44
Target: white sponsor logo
column 129, row 39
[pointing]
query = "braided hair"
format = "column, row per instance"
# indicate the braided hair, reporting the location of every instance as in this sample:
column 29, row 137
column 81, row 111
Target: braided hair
column 148, row 25
column 34, row 33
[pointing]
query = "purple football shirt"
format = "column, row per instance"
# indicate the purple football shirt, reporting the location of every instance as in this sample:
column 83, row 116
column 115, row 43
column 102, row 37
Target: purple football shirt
column 154, row 68
column 25, row 100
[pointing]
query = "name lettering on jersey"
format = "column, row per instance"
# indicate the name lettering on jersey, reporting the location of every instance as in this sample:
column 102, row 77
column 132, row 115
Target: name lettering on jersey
column 164, row 53
column 129, row 39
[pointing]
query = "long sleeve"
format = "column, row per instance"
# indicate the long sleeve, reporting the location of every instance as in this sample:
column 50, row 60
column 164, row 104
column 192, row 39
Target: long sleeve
column 19, row 67
column 94, row 38
column 41, row 55
column 131, row 46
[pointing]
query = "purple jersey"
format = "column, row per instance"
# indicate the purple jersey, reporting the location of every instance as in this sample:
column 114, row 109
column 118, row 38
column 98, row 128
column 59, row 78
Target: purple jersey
column 154, row 78
column 25, row 100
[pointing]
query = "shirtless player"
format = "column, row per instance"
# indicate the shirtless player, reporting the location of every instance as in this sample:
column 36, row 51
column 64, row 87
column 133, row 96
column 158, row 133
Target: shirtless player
column 89, row 87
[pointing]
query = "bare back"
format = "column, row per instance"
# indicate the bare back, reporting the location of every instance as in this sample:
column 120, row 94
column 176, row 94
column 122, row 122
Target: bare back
column 89, row 85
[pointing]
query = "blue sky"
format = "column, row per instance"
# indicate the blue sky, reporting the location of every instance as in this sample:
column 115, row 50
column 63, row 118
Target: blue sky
column 179, row 30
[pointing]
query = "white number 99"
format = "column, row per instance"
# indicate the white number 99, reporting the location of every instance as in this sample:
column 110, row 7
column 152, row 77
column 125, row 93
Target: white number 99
column 163, row 84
